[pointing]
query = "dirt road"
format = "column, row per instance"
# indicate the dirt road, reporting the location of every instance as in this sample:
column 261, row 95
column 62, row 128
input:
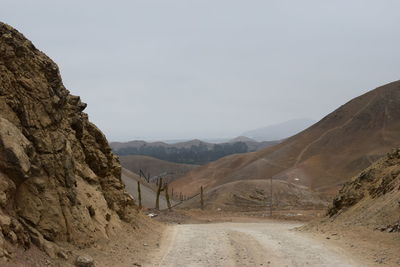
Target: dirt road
column 247, row 244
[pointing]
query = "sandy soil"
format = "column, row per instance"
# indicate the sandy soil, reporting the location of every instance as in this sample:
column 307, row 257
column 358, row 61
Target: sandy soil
column 130, row 248
column 248, row 244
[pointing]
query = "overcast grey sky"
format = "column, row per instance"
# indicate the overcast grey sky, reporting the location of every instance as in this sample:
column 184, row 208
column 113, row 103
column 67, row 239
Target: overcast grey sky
column 169, row 69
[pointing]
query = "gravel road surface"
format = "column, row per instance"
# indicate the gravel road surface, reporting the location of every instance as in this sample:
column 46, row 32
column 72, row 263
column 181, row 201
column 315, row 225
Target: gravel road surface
column 247, row 244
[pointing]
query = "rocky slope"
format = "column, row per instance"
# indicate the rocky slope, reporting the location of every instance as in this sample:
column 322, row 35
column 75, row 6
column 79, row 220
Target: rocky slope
column 59, row 181
column 372, row 198
column 322, row 157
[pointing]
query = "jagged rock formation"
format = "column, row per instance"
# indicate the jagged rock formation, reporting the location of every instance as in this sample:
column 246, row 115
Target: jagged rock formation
column 373, row 197
column 59, row 180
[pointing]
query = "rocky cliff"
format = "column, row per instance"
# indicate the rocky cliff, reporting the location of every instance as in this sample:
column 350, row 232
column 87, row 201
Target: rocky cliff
column 59, row 181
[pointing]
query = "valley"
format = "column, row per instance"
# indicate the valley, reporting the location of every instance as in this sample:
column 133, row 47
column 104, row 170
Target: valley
column 322, row 157
column 300, row 192
column 195, row 152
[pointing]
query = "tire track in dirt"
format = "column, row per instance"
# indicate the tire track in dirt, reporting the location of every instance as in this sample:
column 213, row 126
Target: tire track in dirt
column 248, row 244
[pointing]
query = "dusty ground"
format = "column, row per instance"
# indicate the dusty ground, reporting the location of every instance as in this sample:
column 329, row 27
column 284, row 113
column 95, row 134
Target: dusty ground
column 130, row 247
column 197, row 238
column 375, row 247
column 248, row 244
column 193, row 216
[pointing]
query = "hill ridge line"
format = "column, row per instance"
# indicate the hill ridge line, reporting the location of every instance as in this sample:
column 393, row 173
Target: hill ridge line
column 331, row 130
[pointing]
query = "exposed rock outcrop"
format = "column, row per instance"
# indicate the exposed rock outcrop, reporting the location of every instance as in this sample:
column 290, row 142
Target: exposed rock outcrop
column 372, row 198
column 59, row 180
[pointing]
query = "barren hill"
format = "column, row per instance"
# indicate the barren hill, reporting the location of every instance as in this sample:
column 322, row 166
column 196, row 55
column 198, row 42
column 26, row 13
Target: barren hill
column 365, row 214
column 372, row 198
column 59, row 181
column 255, row 195
column 322, row 157
column 254, row 145
column 155, row 168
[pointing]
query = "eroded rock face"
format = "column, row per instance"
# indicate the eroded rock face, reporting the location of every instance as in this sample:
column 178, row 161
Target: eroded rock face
column 59, row 180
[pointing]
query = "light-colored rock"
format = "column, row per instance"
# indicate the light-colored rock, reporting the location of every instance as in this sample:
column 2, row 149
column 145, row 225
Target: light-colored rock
column 5, row 220
column 84, row 261
column 61, row 254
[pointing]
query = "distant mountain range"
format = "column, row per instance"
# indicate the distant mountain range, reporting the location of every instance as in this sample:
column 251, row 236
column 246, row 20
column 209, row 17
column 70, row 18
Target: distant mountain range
column 273, row 132
column 279, row 131
column 189, row 152
column 201, row 152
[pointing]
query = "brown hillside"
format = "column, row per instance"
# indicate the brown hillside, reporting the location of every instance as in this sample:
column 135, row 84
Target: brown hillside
column 322, row 157
column 155, row 167
column 59, row 181
column 255, row 195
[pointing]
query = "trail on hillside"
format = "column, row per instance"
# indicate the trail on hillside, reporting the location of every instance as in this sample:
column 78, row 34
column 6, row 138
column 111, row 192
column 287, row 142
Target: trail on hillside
column 302, row 153
column 247, row 244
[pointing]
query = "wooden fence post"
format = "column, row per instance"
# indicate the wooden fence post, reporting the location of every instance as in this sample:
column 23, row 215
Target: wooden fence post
column 159, row 189
column 201, row 198
column 167, row 197
column 139, row 195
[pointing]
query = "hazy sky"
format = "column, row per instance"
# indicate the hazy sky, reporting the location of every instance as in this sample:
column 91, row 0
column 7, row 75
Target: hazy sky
column 169, row 69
